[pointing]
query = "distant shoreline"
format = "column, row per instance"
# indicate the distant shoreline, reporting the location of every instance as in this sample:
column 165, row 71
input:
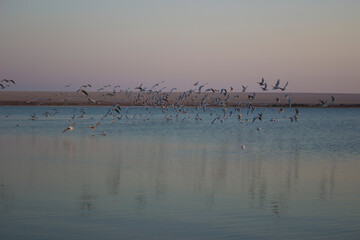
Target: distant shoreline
column 232, row 99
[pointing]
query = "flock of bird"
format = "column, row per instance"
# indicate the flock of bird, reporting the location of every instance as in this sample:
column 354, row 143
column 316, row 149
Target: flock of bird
column 175, row 105
column 5, row 83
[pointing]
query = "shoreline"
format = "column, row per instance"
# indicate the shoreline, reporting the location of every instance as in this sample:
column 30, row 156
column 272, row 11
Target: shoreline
column 232, row 99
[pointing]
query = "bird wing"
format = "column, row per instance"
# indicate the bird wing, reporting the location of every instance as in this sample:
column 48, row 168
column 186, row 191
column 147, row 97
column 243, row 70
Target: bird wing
column 72, row 124
column 83, row 91
column 277, row 83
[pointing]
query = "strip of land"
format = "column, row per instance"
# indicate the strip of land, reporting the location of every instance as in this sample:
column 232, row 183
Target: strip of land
column 270, row 99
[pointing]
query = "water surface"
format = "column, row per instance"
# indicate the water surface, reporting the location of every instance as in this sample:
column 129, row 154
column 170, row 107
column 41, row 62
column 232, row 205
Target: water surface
column 184, row 178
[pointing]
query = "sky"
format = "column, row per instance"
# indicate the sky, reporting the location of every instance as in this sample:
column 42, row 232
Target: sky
column 314, row 45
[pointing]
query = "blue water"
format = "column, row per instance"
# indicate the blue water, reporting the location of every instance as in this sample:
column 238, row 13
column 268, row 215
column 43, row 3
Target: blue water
column 184, row 178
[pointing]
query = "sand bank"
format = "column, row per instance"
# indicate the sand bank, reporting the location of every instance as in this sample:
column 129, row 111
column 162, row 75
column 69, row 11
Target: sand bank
column 142, row 98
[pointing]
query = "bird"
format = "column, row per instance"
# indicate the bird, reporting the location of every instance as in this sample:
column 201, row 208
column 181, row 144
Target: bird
column 323, row 103
column 84, row 92
column 252, row 97
column 332, row 99
column 140, row 88
column 244, row 88
column 70, row 128
column 223, row 91
column 265, row 87
column 33, row 117
column 260, row 117
column 92, row 100
column 276, row 85
column 200, row 87
column 94, row 127
column 283, row 88
column 262, row 82
column 7, row 81
column 211, row 89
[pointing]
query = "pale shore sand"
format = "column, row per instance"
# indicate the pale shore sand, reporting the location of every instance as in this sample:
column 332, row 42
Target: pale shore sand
column 139, row 99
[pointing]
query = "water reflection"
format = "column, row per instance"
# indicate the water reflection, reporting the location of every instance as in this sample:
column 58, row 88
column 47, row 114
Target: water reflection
column 160, row 172
column 327, row 182
column 7, row 198
column 163, row 179
column 209, row 170
column 114, row 178
column 86, row 200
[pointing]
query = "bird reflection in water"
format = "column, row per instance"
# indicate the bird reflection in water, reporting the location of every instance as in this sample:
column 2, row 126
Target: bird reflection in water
column 7, row 198
column 327, row 182
column 86, row 200
column 140, row 202
column 114, row 178
column 160, row 180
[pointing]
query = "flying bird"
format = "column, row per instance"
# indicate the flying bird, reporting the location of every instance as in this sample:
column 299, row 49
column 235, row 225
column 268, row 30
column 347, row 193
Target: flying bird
column 260, row 117
column 84, row 92
column 276, row 85
column 94, row 127
column 211, row 89
column 70, row 128
column 262, row 83
column 323, row 103
column 283, row 88
column 252, row 97
column 140, row 88
column 265, row 87
column 6, row 80
column 332, row 99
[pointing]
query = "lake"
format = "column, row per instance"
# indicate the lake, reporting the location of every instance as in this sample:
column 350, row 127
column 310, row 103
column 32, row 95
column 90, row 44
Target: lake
column 153, row 173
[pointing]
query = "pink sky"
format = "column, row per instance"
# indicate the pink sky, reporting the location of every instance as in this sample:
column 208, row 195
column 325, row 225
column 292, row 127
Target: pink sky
column 315, row 45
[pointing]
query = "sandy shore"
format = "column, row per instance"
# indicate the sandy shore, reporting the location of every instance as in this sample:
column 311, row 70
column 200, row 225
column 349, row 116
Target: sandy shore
column 140, row 98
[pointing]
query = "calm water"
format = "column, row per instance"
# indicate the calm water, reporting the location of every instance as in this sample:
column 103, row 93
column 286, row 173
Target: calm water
column 152, row 178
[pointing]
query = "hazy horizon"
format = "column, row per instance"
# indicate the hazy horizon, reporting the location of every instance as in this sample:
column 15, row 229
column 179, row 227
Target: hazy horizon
column 315, row 46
